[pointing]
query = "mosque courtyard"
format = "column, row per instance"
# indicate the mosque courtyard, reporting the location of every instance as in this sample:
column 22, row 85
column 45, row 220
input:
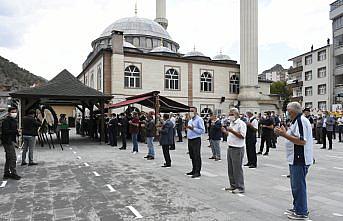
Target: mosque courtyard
column 97, row 182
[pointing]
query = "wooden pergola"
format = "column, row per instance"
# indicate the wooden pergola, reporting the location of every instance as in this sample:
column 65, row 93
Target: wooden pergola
column 66, row 90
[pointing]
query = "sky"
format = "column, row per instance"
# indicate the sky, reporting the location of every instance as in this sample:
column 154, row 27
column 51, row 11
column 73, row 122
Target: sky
column 47, row 36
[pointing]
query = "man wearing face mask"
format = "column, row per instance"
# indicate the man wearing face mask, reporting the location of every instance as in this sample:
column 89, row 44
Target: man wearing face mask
column 9, row 136
column 195, row 129
column 299, row 150
column 235, row 153
column 267, row 133
column 328, row 124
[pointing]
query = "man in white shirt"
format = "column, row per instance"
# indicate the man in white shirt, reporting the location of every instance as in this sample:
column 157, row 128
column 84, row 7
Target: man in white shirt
column 235, row 153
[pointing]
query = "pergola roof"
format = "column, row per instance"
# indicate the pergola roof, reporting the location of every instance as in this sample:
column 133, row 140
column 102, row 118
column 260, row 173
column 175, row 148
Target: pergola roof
column 166, row 105
column 63, row 86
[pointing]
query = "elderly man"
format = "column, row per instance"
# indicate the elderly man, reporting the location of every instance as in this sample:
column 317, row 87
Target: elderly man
column 252, row 127
column 328, row 129
column 235, row 153
column 299, row 149
column 195, row 129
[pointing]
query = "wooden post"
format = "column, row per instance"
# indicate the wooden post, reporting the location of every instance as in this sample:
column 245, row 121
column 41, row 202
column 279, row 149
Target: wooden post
column 83, row 120
column 157, row 106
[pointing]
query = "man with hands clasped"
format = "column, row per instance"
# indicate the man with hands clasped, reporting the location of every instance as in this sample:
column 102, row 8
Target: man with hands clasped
column 299, row 150
column 235, row 153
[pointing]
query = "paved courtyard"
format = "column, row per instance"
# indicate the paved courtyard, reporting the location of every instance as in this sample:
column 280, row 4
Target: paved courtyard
column 88, row 181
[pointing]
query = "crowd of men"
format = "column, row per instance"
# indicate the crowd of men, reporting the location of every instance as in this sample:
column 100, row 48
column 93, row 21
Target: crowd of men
column 238, row 130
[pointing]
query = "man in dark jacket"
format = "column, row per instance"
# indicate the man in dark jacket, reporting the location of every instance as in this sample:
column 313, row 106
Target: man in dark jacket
column 150, row 134
column 215, row 132
column 166, row 139
column 179, row 126
column 123, row 123
column 30, row 131
column 113, row 130
column 8, row 138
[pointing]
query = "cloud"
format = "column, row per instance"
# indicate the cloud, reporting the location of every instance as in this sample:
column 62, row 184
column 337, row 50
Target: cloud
column 48, row 36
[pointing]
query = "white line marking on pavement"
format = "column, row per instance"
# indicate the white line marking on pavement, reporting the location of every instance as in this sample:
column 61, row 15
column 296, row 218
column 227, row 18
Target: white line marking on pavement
column 134, row 211
column 338, row 214
column 86, row 164
column 3, row 184
column 284, row 175
column 70, row 148
column 334, row 157
column 96, row 174
column 74, row 152
column 78, row 157
column 240, row 195
column 274, row 166
column 338, row 168
column 110, row 187
column 208, row 174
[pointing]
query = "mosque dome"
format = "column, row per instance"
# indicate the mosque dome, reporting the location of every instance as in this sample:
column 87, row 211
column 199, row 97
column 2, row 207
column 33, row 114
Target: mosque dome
column 161, row 49
column 194, row 53
column 221, row 57
column 137, row 26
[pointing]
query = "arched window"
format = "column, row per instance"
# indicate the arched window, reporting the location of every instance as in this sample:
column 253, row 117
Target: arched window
column 99, row 78
column 172, row 79
column 132, row 77
column 149, row 43
column 206, row 82
column 234, row 84
column 136, row 42
column 91, row 83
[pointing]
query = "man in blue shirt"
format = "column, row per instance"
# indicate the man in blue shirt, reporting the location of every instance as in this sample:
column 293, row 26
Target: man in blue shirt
column 195, row 129
column 299, row 150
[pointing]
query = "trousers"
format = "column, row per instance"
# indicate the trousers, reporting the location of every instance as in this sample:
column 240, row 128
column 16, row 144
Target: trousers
column 194, row 148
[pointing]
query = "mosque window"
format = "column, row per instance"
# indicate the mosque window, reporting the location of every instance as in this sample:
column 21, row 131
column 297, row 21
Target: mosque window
column 92, row 80
column 99, row 78
column 234, row 84
column 206, row 82
column 149, row 43
column 172, row 79
column 132, row 77
column 136, row 42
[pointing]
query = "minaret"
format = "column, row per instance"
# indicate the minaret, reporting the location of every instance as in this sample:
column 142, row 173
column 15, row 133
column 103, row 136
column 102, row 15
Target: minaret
column 249, row 95
column 161, row 13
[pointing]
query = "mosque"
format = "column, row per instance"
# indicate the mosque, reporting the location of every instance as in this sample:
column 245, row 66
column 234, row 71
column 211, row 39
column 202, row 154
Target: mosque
column 137, row 55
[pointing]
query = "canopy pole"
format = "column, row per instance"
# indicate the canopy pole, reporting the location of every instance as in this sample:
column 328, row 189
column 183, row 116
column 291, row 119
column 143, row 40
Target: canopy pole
column 102, row 134
column 157, row 106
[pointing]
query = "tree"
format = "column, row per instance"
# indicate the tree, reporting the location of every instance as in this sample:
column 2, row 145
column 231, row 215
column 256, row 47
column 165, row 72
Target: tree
column 281, row 88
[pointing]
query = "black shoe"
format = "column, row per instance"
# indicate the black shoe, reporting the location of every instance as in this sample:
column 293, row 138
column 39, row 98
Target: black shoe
column 196, row 175
column 323, row 148
column 330, row 148
column 252, row 166
column 23, row 163
column 166, row 166
column 147, row 156
column 212, row 158
column 122, row 148
column 259, row 153
column 247, row 165
column 15, row 177
column 190, row 173
column 33, row 164
column 288, row 176
column 173, row 148
column 266, row 154
column 150, row 158
column 7, row 176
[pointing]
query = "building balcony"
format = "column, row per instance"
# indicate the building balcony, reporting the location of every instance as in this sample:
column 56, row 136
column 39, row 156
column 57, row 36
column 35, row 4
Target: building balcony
column 334, row 9
column 297, row 99
column 295, row 70
column 295, row 83
column 338, row 70
column 339, row 90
